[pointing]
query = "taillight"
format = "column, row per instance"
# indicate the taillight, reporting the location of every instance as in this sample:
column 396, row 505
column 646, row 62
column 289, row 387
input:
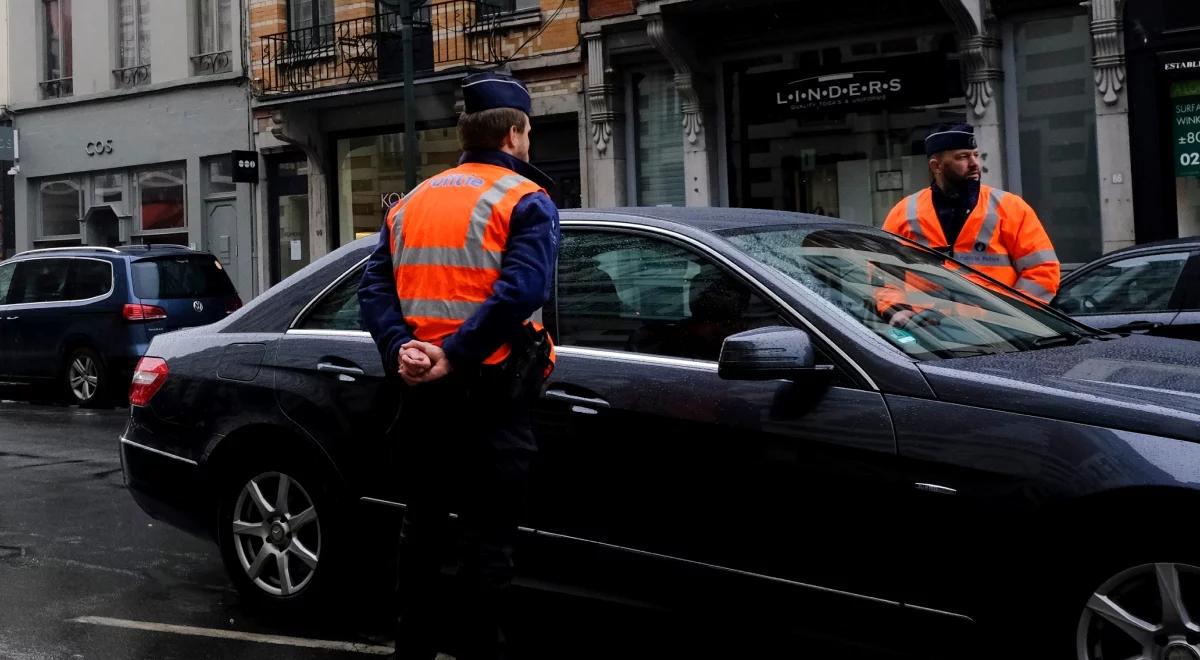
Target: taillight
column 233, row 306
column 137, row 312
column 148, row 377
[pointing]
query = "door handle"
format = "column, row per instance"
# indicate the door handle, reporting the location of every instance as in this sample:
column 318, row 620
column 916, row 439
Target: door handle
column 587, row 402
column 11, row 318
column 339, row 370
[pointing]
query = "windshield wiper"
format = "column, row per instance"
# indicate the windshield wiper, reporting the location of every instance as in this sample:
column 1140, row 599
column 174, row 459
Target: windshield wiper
column 1069, row 338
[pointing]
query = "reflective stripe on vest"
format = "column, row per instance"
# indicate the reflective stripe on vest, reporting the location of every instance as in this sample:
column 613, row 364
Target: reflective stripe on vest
column 991, row 220
column 1035, row 259
column 1034, row 289
column 914, row 221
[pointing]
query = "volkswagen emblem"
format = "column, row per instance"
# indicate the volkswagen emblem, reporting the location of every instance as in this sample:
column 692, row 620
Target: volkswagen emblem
column 198, row 306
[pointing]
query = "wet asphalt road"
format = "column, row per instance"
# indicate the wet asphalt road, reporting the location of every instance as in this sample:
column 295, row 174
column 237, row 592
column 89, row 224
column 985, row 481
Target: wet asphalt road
column 84, row 572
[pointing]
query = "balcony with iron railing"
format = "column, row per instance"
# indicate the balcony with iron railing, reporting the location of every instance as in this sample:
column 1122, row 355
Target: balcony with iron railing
column 446, row 35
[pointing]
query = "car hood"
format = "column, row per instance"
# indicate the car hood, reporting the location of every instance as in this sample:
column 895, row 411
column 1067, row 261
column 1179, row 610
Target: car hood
column 1137, row 383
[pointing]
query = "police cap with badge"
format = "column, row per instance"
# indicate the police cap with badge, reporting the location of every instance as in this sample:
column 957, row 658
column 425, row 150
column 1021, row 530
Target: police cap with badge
column 491, row 90
column 948, row 137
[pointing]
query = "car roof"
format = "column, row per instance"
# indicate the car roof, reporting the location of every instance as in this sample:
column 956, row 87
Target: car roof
column 132, row 252
column 1190, row 241
column 711, row 219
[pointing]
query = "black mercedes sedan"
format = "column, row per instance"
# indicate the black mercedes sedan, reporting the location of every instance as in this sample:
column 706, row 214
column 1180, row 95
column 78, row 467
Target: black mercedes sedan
column 736, row 424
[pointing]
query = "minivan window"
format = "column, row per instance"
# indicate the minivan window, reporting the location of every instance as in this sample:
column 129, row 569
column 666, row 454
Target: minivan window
column 89, row 278
column 192, row 276
column 40, row 280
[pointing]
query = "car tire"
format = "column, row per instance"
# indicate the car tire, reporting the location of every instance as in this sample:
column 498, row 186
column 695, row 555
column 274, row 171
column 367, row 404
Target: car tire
column 283, row 554
column 85, row 379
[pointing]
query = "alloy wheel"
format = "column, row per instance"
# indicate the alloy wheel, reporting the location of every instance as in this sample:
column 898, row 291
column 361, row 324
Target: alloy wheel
column 1143, row 613
column 276, row 533
column 84, row 378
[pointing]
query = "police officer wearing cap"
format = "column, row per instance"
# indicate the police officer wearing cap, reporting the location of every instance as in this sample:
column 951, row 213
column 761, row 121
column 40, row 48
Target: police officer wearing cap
column 993, row 231
column 463, row 261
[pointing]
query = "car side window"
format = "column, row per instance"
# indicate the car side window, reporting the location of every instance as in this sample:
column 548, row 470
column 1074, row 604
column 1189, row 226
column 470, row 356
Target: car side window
column 89, row 278
column 6, row 278
column 337, row 309
column 645, row 295
column 1137, row 284
column 39, row 281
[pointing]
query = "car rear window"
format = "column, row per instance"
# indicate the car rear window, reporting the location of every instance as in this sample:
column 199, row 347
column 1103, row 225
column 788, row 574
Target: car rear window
column 181, row 277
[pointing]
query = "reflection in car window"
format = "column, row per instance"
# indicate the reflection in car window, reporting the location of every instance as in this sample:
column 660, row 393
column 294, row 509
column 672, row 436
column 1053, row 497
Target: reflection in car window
column 1137, row 284
column 868, row 276
column 89, row 278
column 643, row 295
column 181, row 277
column 40, row 280
column 338, row 309
column 6, row 277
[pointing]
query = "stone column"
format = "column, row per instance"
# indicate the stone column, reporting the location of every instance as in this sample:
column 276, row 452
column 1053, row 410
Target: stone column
column 1112, row 125
column 699, row 146
column 606, row 146
column 983, row 77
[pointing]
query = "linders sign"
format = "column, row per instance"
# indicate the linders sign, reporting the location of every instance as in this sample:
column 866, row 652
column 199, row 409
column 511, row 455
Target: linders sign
column 867, row 86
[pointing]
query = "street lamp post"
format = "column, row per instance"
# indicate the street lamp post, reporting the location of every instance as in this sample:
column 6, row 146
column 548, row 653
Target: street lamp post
column 410, row 97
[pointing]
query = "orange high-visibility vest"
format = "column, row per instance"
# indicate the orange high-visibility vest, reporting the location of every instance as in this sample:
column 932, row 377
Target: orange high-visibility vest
column 447, row 242
column 1002, row 238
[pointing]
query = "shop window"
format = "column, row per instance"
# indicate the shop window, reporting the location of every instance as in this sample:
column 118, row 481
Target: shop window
column 1056, row 132
column 60, row 205
column 371, row 175
column 110, row 188
column 161, row 199
column 659, row 139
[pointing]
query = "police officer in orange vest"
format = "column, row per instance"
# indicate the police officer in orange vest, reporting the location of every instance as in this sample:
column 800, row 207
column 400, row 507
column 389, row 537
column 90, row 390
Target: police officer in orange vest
column 463, row 262
column 993, row 231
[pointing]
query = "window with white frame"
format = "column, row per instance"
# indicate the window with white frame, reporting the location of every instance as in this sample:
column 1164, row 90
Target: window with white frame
column 311, row 21
column 56, row 45
column 60, row 206
column 214, row 36
column 133, row 42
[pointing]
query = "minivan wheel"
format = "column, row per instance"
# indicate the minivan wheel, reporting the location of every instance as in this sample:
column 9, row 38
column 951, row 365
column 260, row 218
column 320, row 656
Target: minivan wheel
column 277, row 531
column 1143, row 612
column 85, row 378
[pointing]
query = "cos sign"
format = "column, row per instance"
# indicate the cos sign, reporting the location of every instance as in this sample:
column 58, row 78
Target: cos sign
column 98, row 148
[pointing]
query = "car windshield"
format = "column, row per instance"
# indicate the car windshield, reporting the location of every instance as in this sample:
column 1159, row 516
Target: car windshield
column 926, row 306
column 195, row 276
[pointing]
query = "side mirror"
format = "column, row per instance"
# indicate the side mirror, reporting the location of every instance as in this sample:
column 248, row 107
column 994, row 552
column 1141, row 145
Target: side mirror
column 767, row 354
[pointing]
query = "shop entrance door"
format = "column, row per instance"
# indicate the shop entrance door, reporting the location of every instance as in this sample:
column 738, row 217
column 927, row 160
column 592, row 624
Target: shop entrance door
column 287, row 180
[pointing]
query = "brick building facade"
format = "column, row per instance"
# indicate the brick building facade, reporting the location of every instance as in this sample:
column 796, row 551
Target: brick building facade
column 328, row 108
